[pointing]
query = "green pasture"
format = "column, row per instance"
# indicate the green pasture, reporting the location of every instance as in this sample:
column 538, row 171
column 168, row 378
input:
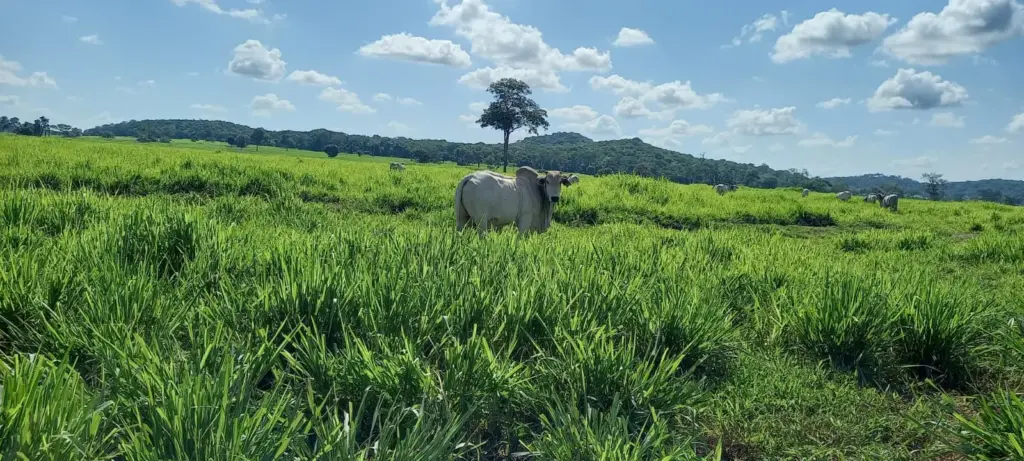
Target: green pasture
column 193, row 302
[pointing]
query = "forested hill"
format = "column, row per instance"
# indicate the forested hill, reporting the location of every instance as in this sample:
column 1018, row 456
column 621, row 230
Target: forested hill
column 563, row 151
column 993, row 190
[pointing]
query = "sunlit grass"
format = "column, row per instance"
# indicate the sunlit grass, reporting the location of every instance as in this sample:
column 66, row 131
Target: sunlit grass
column 223, row 305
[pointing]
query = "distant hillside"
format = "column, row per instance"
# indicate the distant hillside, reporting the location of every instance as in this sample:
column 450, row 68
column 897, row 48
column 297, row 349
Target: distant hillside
column 553, row 139
column 563, row 151
column 993, row 190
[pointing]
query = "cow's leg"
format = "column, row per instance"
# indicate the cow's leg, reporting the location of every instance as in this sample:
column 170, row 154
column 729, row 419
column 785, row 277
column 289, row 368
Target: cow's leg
column 523, row 223
column 483, row 226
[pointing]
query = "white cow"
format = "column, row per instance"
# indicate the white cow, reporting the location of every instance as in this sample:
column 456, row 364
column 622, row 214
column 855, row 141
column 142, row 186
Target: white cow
column 491, row 200
column 721, row 189
column 844, row 195
column 873, row 198
column 890, row 201
column 397, row 166
column 805, row 192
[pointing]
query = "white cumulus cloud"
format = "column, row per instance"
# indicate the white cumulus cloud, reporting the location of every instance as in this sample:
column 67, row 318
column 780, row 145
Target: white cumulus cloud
column 253, row 15
column 632, row 37
column 346, row 101
column 603, row 125
column 765, row 122
column 1016, row 123
column 910, row 89
column 881, row 132
column 989, row 139
column 91, row 39
column 496, row 38
column 947, row 120
column 676, row 129
column 384, row 97
column 573, row 114
column 537, row 78
column 823, row 140
column 831, row 34
column 479, row 106
column 313, row 78
column 517, row 50
column 658, row 102
column 9, row 71
column 963, row 27
column 208, row 108
column 269, row 103
column 398, row 126
column 754, row 31
column 407, row 47
column 833, row 103
column 252, row 59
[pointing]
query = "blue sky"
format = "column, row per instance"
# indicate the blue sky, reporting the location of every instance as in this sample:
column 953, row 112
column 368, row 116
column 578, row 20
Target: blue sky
column 838, row 89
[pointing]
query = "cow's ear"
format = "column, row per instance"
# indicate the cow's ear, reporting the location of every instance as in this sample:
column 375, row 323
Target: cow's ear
column 543, row 181
column 566, row 182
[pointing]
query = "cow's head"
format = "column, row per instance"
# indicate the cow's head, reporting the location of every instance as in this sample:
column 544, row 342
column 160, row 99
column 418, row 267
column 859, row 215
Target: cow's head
column 551, row 184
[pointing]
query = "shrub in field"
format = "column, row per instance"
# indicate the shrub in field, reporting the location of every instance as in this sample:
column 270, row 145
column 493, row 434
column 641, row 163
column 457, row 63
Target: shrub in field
column 847, row 321
column 692, row 322
column 571, row 433
column 164, row 242
column 598, row 369
column 991, row 248
column 939, row 332
column 46, row 413
column 423, row 432
column 203, row 404
column 995, row 432
column 854, row 243
column 914, row 241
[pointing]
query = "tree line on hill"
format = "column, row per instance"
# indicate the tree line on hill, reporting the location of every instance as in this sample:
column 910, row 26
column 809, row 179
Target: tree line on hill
column 563, row 151
column 1006, row 191
column 39, row 127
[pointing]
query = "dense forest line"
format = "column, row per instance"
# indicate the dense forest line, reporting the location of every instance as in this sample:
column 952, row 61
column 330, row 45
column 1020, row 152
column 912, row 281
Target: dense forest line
column 564, row 151
column 1006, row 191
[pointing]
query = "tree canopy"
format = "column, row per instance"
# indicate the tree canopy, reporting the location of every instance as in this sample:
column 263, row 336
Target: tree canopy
column 511, row 110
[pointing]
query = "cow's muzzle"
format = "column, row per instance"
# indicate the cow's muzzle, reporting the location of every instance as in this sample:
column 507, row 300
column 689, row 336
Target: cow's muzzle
column 554, row 199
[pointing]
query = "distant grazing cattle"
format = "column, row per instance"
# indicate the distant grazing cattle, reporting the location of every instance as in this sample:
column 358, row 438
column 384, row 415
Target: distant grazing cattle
column 805, row 192
column 873, row 198
column 844, row 195
column 397, row 166
column 491, row 200
column 890, row 201
column 721, row 189
column 734, row 187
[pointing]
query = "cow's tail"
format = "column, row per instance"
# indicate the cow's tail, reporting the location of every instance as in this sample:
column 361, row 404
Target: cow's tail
column 461, row 214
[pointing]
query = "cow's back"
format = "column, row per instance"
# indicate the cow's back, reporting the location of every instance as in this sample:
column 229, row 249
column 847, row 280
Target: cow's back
column 489, row 194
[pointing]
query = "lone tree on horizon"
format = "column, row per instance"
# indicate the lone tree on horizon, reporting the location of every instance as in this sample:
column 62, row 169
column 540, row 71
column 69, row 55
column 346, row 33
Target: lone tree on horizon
column 934, row 185
column 257, row 137
column 511, row 110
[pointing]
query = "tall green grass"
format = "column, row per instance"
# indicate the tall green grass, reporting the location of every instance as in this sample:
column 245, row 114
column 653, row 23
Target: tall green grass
column 205, row 305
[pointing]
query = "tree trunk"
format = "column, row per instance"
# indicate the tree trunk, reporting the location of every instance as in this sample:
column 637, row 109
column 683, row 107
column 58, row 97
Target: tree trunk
column 257, row 147
column 505, row 154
